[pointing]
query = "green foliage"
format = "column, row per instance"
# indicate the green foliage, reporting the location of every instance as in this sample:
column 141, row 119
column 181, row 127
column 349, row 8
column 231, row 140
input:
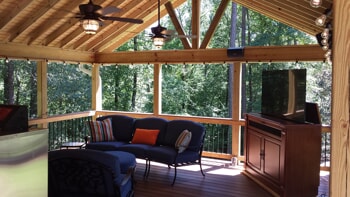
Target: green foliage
column 69, row 89
column 195, row 89
column 23, row 83
column 127, row 87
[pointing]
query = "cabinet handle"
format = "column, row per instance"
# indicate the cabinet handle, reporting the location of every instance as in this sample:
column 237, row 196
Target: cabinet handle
column 283, row 133
column 262, row 154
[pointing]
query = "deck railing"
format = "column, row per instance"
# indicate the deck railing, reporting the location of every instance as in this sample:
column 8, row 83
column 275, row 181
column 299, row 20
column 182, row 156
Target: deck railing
column 219, row 140
column 73, row 130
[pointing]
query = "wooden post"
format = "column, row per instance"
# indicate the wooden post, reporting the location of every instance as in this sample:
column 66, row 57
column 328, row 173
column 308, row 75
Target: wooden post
column 196, row 9
column 236, row 112
column 157, row 92
column 96, row 88
column 340, row 144
column 41, row 70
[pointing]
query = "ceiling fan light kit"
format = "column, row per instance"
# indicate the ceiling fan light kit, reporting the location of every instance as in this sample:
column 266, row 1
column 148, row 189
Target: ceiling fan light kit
column 158, row 41
column 315, row 3
column 90, row 26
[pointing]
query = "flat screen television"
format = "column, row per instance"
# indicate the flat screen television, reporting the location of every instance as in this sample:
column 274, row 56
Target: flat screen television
column 284, row 94
column 13, row 119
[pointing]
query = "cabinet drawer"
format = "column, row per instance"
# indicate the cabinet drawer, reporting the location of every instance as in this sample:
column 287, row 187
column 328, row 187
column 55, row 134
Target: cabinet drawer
column 271, row 131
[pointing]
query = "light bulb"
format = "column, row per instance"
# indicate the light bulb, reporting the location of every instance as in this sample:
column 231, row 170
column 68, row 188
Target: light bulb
column 325, row 47
column 325, row 33
column 315, row 3
column 320, row 21
column 324, row 41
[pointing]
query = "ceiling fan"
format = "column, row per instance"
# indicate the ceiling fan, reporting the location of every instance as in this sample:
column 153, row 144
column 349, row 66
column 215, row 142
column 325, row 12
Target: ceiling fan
column 92, row 16
column 161, row 34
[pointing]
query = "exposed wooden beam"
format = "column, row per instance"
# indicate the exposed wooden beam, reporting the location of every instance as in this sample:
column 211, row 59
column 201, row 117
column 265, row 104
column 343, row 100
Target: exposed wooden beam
column 213, row 25
column 20, row 51
column 177, row 25
column 251, row 54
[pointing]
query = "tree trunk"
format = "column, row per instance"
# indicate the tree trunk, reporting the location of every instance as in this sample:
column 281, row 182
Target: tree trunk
column 8, row 74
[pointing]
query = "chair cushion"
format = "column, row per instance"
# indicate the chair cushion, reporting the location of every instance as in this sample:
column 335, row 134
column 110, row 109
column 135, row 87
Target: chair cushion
column 105, row 146
column 145, row 136
column 183, row 140
column 101, row 130
column 126, row 160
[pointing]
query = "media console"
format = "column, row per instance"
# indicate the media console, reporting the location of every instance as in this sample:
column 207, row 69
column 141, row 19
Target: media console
column 283, row 156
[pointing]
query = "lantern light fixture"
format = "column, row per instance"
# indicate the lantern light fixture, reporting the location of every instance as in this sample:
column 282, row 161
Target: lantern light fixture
column 158, row 41
column 90, row 26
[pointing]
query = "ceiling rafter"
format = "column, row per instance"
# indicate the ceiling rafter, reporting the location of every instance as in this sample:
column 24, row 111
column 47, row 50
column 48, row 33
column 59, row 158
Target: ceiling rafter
column 26, row 25
column 9, row 17
column 177, row 25
column 63, row 15
column 214, row 23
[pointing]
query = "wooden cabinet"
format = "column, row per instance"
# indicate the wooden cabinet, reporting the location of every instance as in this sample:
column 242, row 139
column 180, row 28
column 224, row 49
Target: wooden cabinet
column 283, row 156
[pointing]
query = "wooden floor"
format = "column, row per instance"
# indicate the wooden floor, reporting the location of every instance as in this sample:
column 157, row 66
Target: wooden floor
column 221, row 180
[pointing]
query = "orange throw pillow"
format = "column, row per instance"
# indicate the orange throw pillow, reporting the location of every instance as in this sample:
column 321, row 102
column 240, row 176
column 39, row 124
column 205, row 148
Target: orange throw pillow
column 145, row 136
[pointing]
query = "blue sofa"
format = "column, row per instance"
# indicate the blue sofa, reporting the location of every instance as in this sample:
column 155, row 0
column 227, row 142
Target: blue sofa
column 81, row 172
column 164, row 150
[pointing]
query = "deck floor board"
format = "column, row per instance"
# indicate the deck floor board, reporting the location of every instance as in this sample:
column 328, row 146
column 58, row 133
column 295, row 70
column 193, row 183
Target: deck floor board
column 220, row 180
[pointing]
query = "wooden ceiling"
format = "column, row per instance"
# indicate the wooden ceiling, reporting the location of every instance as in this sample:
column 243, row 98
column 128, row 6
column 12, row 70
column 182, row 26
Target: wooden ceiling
column 50, row 24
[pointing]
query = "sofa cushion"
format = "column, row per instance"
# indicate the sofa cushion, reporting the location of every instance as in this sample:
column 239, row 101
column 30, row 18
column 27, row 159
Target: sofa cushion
column 183, row 140
column 145, row 136
column 153, row 123
column 162, row 154
column 101, row 130
column 139, row 150
column 174, row 129
column 123, row 126
column 105, row 146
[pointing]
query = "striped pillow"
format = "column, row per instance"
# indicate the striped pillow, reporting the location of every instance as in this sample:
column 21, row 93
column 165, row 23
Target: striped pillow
column 183, row 141
column 101, row 130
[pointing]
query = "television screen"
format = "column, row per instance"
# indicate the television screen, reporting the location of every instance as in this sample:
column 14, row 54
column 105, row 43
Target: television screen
column 312, row 113
column 284, row 93
column 13, row 119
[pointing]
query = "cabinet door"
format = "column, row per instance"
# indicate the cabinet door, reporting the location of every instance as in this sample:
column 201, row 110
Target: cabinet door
column 273, row 159
column 254, row 151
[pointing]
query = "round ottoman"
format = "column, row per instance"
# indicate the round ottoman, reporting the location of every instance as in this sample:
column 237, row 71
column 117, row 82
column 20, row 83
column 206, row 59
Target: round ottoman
column 126, row 160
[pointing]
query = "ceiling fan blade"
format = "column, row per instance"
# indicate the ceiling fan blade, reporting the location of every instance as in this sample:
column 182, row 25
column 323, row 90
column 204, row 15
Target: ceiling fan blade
column 130, row 20
column 108, row 10
column 168, row 32
column 186, row 36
